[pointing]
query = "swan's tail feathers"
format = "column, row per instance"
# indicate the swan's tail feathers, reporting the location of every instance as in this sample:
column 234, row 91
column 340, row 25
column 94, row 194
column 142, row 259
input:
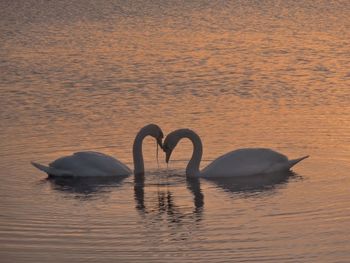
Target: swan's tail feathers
column 295, row 161
column 41, row 167
column 51, row 171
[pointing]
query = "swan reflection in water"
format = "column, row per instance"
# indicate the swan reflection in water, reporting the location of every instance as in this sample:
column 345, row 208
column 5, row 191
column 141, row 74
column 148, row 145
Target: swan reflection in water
column 164, row 205
column 257, row 184
column 85, row 187
column 159, row 205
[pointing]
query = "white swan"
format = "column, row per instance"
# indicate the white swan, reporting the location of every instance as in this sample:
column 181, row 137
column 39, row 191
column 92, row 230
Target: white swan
column 241, row 162
column 96, row 164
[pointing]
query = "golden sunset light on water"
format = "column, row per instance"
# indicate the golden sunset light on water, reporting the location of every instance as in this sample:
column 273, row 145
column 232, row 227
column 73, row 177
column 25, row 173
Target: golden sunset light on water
column 112, row 81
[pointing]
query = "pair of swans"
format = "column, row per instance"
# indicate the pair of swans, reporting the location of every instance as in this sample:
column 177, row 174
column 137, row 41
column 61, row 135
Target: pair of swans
column 241, row 162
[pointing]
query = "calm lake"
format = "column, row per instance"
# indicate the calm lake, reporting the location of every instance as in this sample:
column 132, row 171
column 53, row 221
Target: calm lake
column 87, row 75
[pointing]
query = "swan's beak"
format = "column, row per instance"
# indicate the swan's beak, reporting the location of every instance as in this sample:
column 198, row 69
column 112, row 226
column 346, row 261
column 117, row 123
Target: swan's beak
column 167, row 155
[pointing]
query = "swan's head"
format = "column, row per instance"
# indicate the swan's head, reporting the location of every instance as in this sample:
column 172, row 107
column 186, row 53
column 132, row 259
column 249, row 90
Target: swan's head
column 170, row 142
column 156, row 132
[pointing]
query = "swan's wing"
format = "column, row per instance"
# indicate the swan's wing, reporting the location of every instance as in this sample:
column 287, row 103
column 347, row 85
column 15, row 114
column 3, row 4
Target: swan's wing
column 103, row 163
column 91, row 164
column 108, row 162
column 245, row 162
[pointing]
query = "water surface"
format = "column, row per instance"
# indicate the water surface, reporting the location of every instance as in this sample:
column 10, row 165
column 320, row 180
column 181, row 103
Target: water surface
column 87, row 75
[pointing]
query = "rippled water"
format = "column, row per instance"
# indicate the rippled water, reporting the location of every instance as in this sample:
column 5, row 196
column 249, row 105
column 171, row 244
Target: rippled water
column 87, row 75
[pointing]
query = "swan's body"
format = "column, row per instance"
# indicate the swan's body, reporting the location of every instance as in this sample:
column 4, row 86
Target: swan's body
column 242, row 162
column 249, row 161
column 86, row 164
column 95, row 164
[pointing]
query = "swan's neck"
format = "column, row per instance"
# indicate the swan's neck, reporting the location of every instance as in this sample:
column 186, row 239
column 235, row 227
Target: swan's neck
column 137, row 152
column 192, row 168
